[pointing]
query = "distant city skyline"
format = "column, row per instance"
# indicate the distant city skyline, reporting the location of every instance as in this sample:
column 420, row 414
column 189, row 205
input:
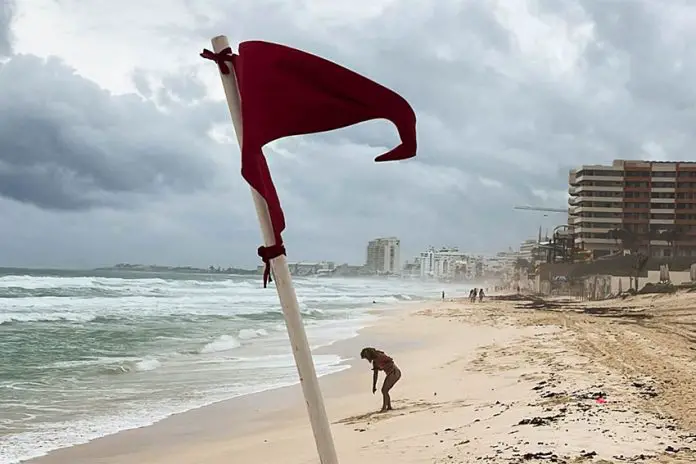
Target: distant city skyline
column 436, row 264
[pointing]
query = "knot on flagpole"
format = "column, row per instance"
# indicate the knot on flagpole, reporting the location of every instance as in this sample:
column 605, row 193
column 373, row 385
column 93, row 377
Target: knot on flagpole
column 267, row 253
column 225, row 56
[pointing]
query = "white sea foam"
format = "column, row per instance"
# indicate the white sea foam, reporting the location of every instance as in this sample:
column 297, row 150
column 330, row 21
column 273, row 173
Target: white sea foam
column 248, row 334
column 20, row 447
column 148, row 364
column 222, row 343
column 118, row 353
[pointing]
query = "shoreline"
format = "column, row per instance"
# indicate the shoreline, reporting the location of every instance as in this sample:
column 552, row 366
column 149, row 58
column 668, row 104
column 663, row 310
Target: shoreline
column 498, row 382
column 275, row 396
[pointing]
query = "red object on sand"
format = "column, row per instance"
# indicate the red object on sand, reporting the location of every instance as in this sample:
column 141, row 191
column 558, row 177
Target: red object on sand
column 601, row 400
column 286, row 92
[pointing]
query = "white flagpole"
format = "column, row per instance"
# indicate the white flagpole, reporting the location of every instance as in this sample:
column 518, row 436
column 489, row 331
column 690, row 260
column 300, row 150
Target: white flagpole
column 286, row 291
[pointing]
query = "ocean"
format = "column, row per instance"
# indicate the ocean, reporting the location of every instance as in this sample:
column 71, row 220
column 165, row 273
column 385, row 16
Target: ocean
column 84, row 355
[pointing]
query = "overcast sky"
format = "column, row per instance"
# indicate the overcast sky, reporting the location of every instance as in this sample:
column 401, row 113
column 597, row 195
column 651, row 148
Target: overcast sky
column 116, row 144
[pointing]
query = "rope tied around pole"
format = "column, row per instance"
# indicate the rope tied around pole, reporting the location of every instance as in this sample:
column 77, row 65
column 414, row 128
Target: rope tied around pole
column 267, row 253
column 222, row 58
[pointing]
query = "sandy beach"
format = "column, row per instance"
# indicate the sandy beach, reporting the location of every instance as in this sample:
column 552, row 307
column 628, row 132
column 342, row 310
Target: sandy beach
column 498, row 382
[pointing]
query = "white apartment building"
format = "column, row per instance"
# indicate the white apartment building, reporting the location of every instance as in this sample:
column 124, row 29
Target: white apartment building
column 304, row 268
column 528, row 249
column 445, row 263
column 411, row 269
column 383, row 255
column 502, row 263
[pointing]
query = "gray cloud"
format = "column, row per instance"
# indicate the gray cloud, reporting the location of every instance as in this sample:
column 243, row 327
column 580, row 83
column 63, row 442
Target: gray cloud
column 6, row 13
column 507, row 100
column 185, row 86
column 142, row 83
column 67, row 144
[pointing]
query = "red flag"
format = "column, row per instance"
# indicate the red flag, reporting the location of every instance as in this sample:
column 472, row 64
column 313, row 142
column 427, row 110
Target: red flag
column 287, row 92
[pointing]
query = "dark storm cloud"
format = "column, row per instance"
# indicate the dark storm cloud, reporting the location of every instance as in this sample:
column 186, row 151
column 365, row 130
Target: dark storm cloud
column 661, row 67
column 497, row 97
column 6, row 13
column 509, row 96
column 67, row 144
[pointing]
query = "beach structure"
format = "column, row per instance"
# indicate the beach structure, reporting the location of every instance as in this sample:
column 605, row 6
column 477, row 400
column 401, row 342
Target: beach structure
column 634, row 206
column 274, row 91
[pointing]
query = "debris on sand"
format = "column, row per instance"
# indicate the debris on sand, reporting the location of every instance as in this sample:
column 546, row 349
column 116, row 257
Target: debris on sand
column 511, row 297
column 530, row 301
column 645, row 388
column 541, row 455
column 658, row 287
column 538, row 421
column 538, row 303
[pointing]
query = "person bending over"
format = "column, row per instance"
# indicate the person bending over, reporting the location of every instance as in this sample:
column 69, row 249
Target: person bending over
column 381, row 362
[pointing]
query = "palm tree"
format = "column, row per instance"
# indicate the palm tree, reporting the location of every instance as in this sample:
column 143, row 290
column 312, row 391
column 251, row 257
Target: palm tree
column 523, row 264
column 671, row 236
column 625, row 236
column 614, row 234
column 638, row 266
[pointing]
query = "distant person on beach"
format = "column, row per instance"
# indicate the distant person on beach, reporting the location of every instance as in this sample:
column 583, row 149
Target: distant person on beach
column 443, row 295
column 480, row 295
column 381, row 362
column 474, row 292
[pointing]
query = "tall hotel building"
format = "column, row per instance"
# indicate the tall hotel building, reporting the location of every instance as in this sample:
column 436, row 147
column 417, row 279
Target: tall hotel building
column 654, row 202
column 383, row 255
